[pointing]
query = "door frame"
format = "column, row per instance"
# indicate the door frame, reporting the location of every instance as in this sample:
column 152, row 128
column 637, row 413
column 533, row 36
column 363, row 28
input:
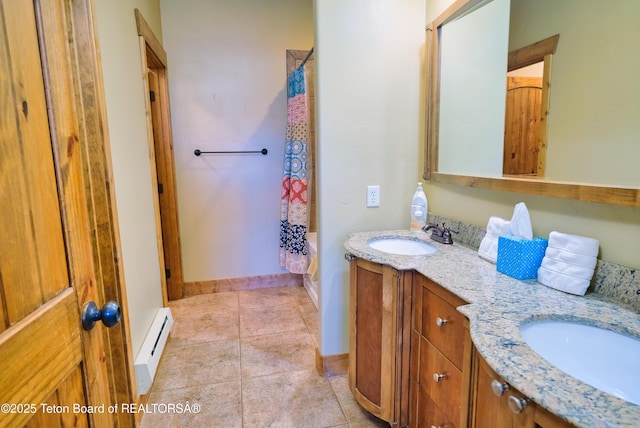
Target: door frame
column 100, row 202
column 163, row 176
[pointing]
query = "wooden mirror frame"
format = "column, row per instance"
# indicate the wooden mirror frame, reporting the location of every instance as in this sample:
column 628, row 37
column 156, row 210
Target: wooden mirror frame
column 617, row 195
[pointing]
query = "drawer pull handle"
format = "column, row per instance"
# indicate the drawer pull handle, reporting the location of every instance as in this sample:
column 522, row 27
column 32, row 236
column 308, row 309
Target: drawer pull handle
column 516, row 404
column 440, row 321
column 349, row 257
column 438, row 377
column 498, row 387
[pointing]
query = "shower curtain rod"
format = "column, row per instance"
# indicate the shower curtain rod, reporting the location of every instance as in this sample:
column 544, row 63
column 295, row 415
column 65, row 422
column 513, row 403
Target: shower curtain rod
column 304, row 61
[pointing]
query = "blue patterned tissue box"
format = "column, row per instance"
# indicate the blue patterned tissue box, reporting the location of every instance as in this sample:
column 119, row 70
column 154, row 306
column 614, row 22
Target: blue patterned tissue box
column 520, row 258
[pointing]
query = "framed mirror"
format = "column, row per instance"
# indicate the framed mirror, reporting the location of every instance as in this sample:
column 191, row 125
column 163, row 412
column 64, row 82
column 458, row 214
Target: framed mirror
column 588, row 146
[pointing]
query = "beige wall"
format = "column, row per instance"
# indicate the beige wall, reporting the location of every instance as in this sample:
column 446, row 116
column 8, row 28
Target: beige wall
column 593, row 128
column 125, row 95
column 227, row 75
column 617, row 228
column 368, row 111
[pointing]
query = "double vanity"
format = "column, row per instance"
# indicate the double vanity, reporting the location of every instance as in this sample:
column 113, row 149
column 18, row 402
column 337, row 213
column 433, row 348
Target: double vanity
column 439, row 338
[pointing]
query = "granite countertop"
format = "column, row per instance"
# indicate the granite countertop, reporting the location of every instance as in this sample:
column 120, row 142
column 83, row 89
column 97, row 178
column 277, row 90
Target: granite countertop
column 498, row 304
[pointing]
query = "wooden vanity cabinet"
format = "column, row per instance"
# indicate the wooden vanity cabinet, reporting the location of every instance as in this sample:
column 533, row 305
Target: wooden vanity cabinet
column 379, row 322
column 491, row 400
column 497, row 404
column 412, row 362
column 440, row 363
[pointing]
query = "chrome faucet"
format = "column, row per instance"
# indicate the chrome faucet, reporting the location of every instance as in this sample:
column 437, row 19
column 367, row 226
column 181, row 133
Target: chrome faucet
column 440, row 234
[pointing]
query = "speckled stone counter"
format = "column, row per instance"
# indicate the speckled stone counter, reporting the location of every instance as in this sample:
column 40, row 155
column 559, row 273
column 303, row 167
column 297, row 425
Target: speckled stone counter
column 498, row 305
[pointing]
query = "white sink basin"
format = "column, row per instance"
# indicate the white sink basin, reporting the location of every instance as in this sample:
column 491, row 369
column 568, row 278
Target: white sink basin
column 402, row 246
column 601, row 358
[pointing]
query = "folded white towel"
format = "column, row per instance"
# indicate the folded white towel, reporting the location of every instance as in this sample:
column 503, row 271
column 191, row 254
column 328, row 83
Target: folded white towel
column 574, row 243
column 569, row 262
column 569, row 257
column 498, row 226
column 488, row 249
column 562, row 282
column 567, row 268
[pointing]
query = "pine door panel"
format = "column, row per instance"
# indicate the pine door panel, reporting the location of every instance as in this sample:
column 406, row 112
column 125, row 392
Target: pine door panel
column 27, row 177
column 46, row 270
column 522, row 125
column 56, row 414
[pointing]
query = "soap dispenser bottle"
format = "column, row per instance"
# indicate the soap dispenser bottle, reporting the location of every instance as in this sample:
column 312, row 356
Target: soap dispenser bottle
column 419, row 206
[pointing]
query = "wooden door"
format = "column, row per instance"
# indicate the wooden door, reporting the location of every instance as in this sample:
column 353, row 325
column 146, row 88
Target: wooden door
column 522, row 125
column 167, row 210
column 162, row 159
column 54, row 373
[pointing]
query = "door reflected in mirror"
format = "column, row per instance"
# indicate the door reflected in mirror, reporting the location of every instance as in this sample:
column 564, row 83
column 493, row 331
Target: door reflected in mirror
column 522, row 122
column 586, row 147
column 527, row 108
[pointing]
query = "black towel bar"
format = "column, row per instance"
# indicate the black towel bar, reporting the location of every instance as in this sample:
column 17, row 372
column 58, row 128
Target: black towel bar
column 199, row 152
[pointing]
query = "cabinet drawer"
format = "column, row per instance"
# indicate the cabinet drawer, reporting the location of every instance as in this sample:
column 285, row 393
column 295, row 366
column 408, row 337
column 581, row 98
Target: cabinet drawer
column 440, row 380
column 428, row 415
column 443, row 326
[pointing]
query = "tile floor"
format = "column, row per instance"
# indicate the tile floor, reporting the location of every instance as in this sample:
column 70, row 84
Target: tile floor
column 247, row 358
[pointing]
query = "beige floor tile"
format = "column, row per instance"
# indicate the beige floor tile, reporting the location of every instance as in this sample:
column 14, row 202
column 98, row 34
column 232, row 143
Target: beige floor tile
column 270, row 319
column 220, row 406
column 371, row 423
column 303, row 299
column 276, row 353
column 306, row 305
column 268, row 297
column 198, row 364
column 248, row 359
column 300, row 399
column 353, row 411
column 213, row 302
column 198, row 327
column 313, row 326
column 205, row 318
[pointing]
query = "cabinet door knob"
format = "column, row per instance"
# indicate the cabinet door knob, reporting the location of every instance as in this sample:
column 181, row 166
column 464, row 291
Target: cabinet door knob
column 440, row 321
column 438, row 377
column 517, row 404
column 498, row 387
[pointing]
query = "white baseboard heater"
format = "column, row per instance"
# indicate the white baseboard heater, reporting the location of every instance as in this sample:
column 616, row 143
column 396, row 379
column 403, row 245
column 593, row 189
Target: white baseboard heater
column 148, row 358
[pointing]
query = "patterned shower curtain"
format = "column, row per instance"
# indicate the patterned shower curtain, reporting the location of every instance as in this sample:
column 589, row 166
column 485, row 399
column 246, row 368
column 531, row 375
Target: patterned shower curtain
column 294, row 208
